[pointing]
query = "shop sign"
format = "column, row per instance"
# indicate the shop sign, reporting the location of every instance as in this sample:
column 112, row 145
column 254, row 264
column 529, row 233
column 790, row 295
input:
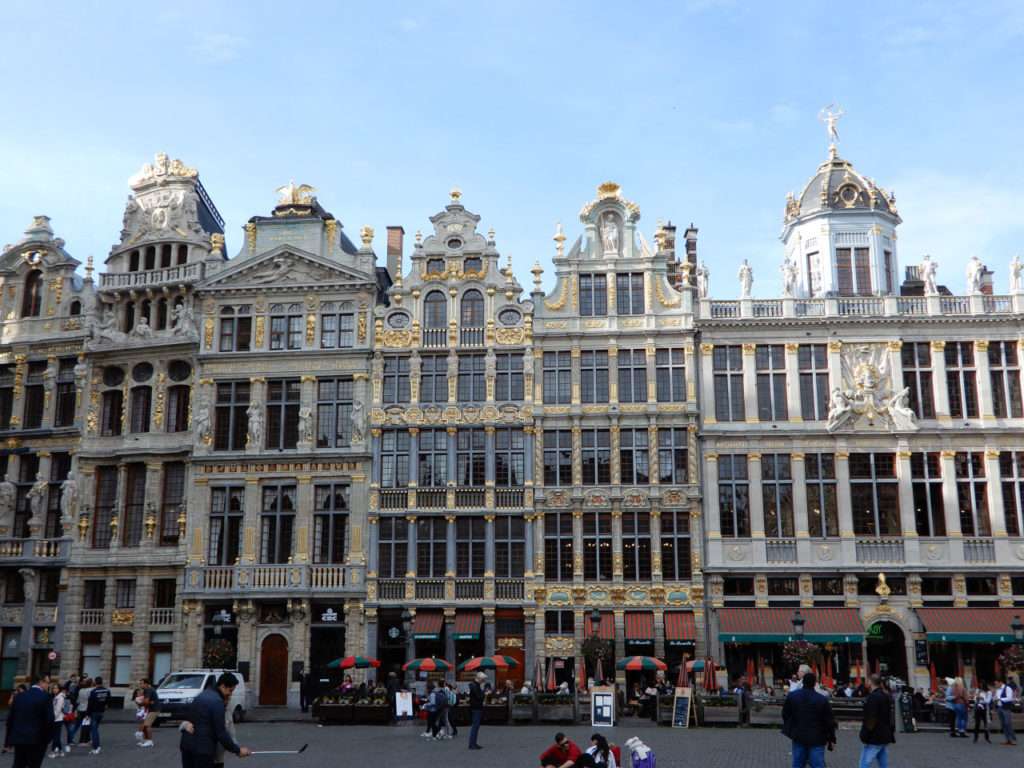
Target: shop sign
column 329, row 615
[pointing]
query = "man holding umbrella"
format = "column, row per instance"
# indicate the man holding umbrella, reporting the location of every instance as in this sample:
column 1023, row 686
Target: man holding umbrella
column 476, row 708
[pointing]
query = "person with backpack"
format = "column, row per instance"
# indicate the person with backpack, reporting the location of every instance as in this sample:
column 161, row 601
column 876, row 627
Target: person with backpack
column 439, row 699
column 95, row 706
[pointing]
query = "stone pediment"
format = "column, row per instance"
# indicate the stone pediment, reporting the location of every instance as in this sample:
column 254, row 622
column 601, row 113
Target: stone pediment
column 284, row 267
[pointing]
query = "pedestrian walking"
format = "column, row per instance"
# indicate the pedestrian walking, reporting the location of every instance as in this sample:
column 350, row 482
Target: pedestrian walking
column 960, row 705
column 476, row 708
column 305, row 690
column 151, row 701
column 1004, row 708
column 981, row 705
column 95, row 707
column 807, row 720
column 876, row 733
column 209, row 726
column 30, row 724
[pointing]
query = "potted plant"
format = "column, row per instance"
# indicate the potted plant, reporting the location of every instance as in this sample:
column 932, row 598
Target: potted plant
column 372, row 708
column 553, row 707
column 333, row 708
column 800, row 651
column 523, row 706
column 495, row 708
column 720, row 708
column 219, row 653
column 1012, row 658
column 766, row 710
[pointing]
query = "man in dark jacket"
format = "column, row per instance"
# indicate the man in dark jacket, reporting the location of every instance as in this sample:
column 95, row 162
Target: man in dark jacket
column 876, row 733
column 807, row 719
column 476, row 708
column 30, row 724
column 95, row 706
column 208, row 727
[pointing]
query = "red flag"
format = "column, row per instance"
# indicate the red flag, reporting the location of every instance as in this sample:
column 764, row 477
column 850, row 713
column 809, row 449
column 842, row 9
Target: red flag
column 935, row 682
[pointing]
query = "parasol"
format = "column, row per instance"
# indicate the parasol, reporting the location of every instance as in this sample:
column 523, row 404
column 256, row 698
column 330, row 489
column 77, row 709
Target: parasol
column 428, row 665
column 641, row 662
column 353, row 662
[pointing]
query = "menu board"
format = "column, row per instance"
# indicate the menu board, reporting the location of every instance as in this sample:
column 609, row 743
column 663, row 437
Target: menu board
column 681, row 707
column 602, row 706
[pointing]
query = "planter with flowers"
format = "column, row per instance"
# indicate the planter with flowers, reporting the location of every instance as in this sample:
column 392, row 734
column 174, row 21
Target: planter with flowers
column 800, row 651
column 1012, row 658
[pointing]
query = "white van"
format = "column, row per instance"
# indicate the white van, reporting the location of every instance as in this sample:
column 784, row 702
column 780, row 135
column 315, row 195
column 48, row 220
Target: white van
column 179, row 688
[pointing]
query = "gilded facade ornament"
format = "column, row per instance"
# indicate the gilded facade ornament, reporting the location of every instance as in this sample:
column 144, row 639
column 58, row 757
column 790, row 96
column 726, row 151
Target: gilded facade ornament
column 292, row 195
column 161, row 168
column 250, row 234
column 509, row 336
column 662, row 299
column 560, row 304
column 707, row 349
column 310, row 330
column 208, row 336
column 216, row 244
column 361, row 328
column 123, row 617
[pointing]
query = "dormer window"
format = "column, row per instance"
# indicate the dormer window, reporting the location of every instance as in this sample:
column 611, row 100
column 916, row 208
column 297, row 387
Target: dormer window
column 32, row 299
column 854, row 274
column 435, row 266
column 473, row 264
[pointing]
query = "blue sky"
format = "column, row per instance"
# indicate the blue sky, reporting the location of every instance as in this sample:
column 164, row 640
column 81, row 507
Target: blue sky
column 703, row 111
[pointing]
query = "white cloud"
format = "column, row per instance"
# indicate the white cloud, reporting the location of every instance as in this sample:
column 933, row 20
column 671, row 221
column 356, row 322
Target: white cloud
column 218, row 46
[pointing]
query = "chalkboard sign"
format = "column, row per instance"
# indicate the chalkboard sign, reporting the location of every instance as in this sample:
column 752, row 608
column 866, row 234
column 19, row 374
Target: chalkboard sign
column 681, row 708
column 602, row 706
column 921, row 652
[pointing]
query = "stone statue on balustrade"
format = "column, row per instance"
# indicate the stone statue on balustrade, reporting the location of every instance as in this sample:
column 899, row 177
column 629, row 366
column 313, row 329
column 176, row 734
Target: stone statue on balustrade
column 746, row 278
column 926, row 270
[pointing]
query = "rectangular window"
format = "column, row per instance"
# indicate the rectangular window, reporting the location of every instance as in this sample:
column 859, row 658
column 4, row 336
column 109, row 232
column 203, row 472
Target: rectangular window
column 226, row 512
column 822, row 504
column 330, row 521
column 60, row 468
column 286, row 331
column 141, row 407
column 95, row 594
column 231, row 421
column 471, row 457
column 283, row 399
column 557, row 457
column 675, row 546
column 392, row 547
column 844, row 272
column 558, row 623
column 122, row 666
column 394, row 459
column 862, row 265
column 32, row 395
column 472, row 379
column 558, row 546
column 777, row 495
column 509, row 457
column 734, row 496
column 926, row 483
column 125, row 591
column 106, row 496
column 673, row 464
column 814, row 271
column 395, row 387
column 235, row 329
column 508, row 377
column 277, row 523
column 6, row 395
column 333, row 413
column 917, row 377
column 557, row 377
column 670, row 370
column 961, row 380
column 636, row 546
column 629, row 293
column 770, row 363
column 597, row 456
column 1011, row 472
column 727, row 364
column 874, row 494
column 593, row 295
column 812, row 361
column 470, row 544
column 632, row 376
column 64, row 413
column 112, row 413
column 594, row 376
column 1004, row 370
column 177, row 408
column 135, row 499
column 972, row 494
column 634, row 461
column 433, row 458
column 509, row 547
column 336, row 331
column 433, row 379
column 172, row 503
column 431, row 546
column 597, row 546
column 164, row 592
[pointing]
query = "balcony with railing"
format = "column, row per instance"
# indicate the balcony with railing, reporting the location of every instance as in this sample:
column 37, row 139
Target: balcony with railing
column 34, row 550
column 176, row 275
column 434, row 337
column 161, row 617
column 780, row 550
column 862, row 306
column 880, row 551
column 979, row 551
column 445, row 589
column 472, row 337
column 273, row 579
column 92, row 617
column 451, row 498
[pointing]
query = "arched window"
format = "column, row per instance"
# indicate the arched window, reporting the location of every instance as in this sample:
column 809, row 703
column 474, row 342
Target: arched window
column 435, row 310
column 76, row 307
column 129, row 316
column 33, row 299
column 472, row 309
column 160, row 321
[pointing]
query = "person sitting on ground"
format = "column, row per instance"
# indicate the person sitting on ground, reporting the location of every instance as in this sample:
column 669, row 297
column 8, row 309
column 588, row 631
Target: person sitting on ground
column 601, row 752
column 563, row 750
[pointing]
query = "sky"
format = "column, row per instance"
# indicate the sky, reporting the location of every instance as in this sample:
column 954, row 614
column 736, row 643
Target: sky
column 703, row 112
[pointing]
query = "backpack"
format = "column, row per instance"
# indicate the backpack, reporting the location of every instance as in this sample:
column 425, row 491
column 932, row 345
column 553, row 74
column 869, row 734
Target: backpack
column 440, row 699
column 66, row 709
column 452, row 698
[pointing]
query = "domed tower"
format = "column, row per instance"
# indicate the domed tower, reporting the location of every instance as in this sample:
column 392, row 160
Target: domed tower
column 840, row 233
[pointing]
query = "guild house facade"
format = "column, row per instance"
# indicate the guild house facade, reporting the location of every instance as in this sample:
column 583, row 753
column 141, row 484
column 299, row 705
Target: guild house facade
column 299, row 452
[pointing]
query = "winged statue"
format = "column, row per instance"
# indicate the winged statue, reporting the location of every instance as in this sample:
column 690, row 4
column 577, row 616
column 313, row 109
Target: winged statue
column 300, row 195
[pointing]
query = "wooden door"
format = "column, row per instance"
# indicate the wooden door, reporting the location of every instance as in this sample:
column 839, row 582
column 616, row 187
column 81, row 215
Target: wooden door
column 274, row 671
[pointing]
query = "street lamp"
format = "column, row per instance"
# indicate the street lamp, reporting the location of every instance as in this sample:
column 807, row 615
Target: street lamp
column 595, row 621
column 1018, row 630
column 798, row 625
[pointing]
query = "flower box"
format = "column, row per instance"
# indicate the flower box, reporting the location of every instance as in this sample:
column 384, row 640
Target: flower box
column 720, row 709
column 496, row 713
column 329, row 712
column 766, row 710
column 371, row 713
column 522, row 707
column 553, row 708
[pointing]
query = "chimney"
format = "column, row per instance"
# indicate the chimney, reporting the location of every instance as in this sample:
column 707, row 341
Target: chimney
column 395, row 235
column 691, row 245
column 987, row 278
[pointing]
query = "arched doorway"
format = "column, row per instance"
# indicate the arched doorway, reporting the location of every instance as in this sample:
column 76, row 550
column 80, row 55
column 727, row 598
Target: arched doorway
column 274, row 671
column 887, row 650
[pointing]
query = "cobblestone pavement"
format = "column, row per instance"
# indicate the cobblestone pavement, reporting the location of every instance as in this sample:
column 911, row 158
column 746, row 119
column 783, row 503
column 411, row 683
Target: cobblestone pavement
column 519, row 746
